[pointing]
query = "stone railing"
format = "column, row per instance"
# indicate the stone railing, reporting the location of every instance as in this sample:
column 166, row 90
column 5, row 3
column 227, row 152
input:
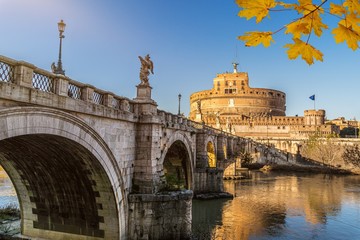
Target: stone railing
column 180, row 122
column 27, row 75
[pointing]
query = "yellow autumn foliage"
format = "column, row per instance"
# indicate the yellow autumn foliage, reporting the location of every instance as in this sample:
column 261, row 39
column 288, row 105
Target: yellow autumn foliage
column 309, row 21
column 305, row 50
column 255, row 38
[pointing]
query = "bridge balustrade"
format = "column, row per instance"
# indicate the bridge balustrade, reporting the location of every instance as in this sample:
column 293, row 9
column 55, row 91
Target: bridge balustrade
column 74, row 91
column 43, row 82
column 27, row 75
column 6, row 72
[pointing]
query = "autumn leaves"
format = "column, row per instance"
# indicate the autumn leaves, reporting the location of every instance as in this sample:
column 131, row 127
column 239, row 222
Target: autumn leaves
column 308, row 22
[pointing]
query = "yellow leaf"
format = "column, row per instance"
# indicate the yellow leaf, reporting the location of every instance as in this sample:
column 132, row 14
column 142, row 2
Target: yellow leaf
column 342, row 33
column 352, row 5
column 351, row 21
column 337, row 9
column 287, row 5
column 297, row 29
column 307, row 52
column 255, row 8
column 253, row 39
column 315, row 23
column 305, row 7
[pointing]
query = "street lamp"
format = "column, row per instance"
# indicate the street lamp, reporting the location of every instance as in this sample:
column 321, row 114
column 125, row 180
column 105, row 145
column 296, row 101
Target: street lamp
column 179, row 103
column 58, row 69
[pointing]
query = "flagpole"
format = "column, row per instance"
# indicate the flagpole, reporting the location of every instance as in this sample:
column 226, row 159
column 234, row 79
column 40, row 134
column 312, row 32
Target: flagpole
column 312, row 97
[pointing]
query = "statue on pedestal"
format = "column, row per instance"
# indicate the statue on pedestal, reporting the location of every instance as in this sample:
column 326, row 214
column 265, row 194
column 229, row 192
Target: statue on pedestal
column 146, row 68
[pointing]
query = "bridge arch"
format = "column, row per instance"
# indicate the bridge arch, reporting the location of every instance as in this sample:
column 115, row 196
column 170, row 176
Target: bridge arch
column 177, row 159
column 211, row 151
column 66, row 177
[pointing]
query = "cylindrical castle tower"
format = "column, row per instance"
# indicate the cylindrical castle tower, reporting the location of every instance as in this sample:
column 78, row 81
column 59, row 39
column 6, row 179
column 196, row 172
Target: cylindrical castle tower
column 314, row 117
column 231, row 95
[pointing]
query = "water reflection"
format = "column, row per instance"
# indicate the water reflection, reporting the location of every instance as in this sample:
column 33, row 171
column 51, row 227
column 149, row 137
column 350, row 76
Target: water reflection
column 286, row 206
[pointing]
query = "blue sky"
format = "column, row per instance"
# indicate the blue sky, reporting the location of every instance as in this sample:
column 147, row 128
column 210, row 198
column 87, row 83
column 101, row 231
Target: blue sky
column 189, row 41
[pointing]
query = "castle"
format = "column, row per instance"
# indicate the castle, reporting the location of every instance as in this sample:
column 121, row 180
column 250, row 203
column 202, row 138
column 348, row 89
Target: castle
column 233, row 106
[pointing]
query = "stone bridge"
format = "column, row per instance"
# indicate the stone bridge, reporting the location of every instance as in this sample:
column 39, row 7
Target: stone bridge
column 88, row 164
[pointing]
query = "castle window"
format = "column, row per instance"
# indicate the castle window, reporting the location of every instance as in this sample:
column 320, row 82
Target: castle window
column 230, row 90
column 226, row 83
column 234, row 83
column 218, row 83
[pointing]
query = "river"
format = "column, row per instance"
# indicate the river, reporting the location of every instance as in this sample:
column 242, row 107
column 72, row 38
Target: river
column 271, row 206
column 283, row 206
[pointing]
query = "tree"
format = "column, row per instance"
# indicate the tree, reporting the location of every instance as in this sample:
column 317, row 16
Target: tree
column 322, row 150
column 352, row 155
column 309, row 21
column 349, row 131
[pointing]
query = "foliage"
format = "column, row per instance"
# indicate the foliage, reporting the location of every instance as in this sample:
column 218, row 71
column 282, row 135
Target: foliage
column 349, row 131
column 322, row 149
column 352, row 155
column 9, row 211
column 309, row 21
column 246, row 158
column 173, row 182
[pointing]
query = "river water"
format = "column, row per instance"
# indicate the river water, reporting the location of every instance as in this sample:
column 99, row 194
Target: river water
column 271, row 206
column 282, row 206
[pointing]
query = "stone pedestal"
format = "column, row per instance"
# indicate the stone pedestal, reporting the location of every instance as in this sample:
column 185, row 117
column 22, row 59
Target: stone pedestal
column 145, row 106
column 143, row 92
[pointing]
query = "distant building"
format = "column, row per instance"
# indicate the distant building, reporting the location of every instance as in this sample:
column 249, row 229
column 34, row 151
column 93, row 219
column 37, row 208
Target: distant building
column 348, row 128
column 343, row 123
column 233, row 106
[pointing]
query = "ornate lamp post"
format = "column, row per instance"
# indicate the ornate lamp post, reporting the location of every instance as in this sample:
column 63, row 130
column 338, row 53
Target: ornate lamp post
column 58, row 69
column 179, row 103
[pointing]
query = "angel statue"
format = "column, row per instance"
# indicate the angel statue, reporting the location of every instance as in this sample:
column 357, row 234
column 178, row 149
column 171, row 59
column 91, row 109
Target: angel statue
column 147, row 66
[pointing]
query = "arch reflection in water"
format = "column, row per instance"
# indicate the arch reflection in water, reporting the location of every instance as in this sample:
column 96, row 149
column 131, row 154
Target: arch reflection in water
column 285, row 206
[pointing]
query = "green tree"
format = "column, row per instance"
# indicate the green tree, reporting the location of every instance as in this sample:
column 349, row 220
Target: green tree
column 308, row 21
column 349, row 131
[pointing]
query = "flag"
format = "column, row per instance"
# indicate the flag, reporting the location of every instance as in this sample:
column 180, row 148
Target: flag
column 312, row 97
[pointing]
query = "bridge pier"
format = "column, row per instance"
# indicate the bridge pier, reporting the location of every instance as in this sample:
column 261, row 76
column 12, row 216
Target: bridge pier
column 164, row 215
column 154, row 213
